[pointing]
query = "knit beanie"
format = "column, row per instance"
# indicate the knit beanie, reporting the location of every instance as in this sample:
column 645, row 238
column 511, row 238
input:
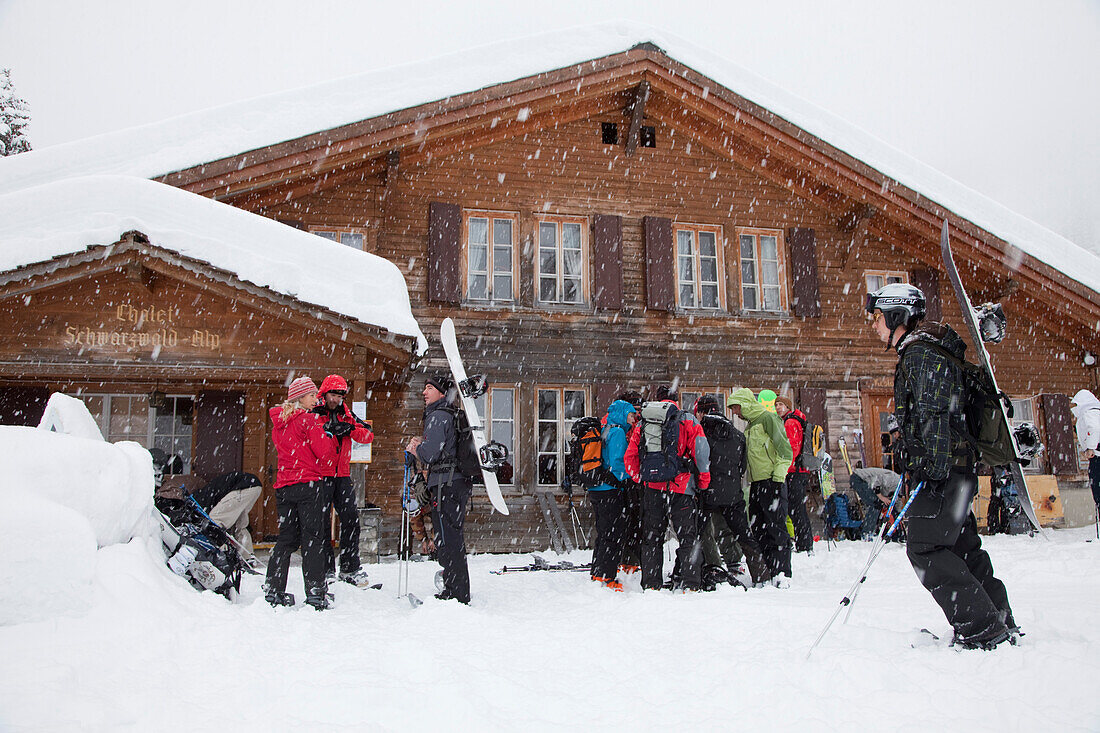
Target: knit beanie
column 299, row 388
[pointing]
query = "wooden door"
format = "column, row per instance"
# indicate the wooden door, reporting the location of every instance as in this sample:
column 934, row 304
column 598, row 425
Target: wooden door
column 878, row 406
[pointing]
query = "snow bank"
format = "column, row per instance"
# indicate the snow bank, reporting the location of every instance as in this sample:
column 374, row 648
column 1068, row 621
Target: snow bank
column 160, row 148
column 69, row 415
column 47, row 559
column 110, row 485
column 68, row 216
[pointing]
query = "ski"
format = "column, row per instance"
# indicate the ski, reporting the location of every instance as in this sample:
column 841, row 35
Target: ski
column 969, row 316
column 466, row 393
column 539, row 564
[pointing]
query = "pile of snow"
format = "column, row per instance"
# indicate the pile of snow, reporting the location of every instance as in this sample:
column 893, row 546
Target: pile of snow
column 157, row 149
column 552, row 651
column 64, row 497
column 70, row 215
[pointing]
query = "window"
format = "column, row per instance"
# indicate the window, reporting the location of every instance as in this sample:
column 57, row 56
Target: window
column 499, row 407
column 762, row 270
column 698, row 264
column 563, row 254
column 351, row 239
column 490, row 256
column 876, row 279
column 167, row 425
column 690, row 395
column 558, row 409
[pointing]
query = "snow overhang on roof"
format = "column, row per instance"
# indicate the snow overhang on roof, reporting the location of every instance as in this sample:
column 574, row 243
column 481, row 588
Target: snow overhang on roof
column 68, row 216
column 195, row 139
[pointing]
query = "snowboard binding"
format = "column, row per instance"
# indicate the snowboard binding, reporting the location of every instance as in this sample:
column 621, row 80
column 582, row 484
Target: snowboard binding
column 474, row 386
column 992, row 323
column 493, row 455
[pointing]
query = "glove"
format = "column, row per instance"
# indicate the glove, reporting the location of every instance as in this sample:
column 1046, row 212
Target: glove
column 338, row 428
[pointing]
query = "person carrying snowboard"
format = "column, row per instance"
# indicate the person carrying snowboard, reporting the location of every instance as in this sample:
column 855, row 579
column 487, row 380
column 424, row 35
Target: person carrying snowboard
column 943, row 543
column 437, row 449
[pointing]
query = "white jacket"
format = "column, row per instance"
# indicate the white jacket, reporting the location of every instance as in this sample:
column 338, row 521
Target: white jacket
column 1086, row 408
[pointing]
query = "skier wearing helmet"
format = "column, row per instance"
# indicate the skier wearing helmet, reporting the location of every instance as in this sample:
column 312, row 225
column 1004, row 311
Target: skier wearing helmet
column 943, row 544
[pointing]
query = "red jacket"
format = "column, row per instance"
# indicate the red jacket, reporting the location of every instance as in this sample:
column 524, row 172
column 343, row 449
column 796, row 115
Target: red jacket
column 338, row 460
column 692, row 444
column 302, row 446
column 794, row 435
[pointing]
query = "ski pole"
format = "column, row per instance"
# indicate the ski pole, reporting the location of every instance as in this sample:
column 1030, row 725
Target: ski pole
column 880, row 541
column 854, row 590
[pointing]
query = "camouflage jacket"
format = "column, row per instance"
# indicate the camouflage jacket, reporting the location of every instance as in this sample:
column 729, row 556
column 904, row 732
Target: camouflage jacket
column 928, row 395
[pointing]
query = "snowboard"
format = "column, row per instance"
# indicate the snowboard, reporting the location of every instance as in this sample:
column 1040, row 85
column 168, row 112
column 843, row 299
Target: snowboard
column 1015, row 468
column 477, row 427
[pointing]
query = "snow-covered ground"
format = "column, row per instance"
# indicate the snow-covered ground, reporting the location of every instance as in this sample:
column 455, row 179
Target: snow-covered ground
column 540, row 651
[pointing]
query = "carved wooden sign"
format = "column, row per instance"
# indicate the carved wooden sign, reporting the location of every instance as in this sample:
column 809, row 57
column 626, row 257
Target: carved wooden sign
column 131, row 327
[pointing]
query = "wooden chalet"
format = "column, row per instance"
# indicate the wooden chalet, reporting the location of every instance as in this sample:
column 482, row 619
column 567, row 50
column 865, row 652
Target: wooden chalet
column 621, row 223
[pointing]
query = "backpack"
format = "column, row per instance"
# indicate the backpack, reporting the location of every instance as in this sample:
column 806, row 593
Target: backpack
column 658, row 449
column 585, row 461
column 813, row 440
column 466, row 459
column 983, row 424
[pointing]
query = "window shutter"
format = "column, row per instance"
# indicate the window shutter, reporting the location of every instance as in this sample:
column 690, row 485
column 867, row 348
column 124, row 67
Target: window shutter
column 811, row 400
column 929, row 283
column 219, row 433
column 807, row 295
column 1061, row 438
column 659, row 264
column 607, row 259
column 444, row 252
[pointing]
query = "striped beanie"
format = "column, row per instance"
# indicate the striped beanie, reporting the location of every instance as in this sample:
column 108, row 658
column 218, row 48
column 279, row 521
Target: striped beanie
column 299, row 388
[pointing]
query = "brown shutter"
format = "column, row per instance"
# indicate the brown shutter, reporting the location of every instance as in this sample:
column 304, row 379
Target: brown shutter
column 659, row 264
column 929, row 283
column 606, row 392
column 607, row 258
column 1061, row 448
column 806, row 302
column 444, row 252
column 811, row 400
column 219, row 433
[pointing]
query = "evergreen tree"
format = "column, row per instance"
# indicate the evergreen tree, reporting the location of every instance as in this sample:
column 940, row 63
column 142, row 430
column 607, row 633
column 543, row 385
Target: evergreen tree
column 14, row 116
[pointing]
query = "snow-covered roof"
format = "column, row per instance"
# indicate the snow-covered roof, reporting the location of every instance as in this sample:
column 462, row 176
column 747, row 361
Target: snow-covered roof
column 190, row 140
column 67, row 216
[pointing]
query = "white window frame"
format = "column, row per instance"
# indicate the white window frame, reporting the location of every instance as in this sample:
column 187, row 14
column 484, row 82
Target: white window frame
column 758, row 268
column 695, row 259
column 559, row 223
column 485, row 404
column 696, row 392
column 884, row 277
column 563, row 427
column 509, row 295
column 345, row 237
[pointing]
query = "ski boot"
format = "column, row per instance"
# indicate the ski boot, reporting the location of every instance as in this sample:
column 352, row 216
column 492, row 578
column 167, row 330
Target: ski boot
column 276, row 598
column 987, row 640
column 358, row 578
column 609, row 583
column 321, row 602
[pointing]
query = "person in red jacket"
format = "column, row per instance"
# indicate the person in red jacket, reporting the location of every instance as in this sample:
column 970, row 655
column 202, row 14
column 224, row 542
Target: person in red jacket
column 798, row 478
column 674, row 498
column 345, row 428
column 300, row 495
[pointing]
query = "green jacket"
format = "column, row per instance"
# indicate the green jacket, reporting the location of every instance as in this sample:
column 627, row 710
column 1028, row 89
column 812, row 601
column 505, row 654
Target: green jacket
column 769, row 450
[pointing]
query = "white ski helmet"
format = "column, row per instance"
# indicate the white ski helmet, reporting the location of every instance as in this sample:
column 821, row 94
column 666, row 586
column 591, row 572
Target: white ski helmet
column 900, row 303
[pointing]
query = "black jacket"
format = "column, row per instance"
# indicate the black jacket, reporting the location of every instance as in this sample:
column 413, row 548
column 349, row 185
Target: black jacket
column 727, row 462
column 438, row 451
column 928, row 395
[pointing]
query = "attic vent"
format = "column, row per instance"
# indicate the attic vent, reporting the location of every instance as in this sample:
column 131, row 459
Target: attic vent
column 609, row 131
column 648, row 137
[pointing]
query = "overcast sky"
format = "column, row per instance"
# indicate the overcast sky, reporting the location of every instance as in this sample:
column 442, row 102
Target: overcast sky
column 1001, row 95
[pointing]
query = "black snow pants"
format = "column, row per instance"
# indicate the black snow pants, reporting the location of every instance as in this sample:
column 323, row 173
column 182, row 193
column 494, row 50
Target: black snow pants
column 347, row 511
column 448, row 518
column 738, row 523
column 635, row 538
column 610, row 509
column 301, row 520
column 798, row 483
column 657, row 508
column 946, row 553
column 768, row 521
